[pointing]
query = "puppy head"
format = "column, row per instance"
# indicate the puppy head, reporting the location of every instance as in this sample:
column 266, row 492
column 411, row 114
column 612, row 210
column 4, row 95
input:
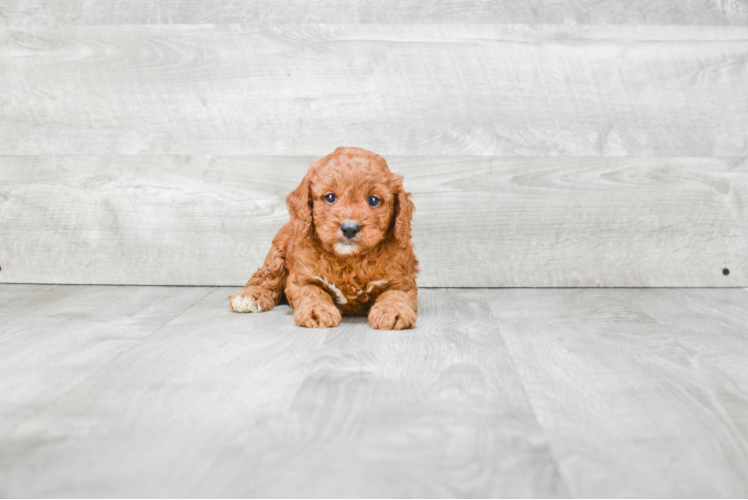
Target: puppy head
column 350, row 201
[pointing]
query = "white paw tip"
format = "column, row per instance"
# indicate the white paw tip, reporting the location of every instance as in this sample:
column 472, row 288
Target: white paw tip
column 245, row 304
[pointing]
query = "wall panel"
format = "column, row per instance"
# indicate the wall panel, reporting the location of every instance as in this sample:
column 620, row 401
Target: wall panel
column 411, row 90
column 479, row 222
column 552, row 143
column 659, row 12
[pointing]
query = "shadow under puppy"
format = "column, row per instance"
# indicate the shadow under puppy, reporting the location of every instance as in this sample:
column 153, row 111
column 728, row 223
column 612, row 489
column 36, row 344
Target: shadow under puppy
column 347, row 249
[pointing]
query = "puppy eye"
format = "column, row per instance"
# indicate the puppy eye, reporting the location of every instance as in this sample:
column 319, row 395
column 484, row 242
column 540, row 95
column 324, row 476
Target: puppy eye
column 330, row 198
column 373, row 201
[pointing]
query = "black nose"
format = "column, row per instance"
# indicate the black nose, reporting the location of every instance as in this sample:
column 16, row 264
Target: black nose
column 350, row 229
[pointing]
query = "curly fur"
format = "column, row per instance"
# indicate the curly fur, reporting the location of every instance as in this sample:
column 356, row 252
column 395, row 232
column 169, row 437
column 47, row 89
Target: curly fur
column 325, row 275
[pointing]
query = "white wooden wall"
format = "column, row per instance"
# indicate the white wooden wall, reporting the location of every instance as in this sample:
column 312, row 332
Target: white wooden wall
column 556, row 143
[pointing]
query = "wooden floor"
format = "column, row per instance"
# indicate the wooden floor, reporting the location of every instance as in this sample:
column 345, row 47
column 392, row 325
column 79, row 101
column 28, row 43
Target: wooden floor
column 161, row 391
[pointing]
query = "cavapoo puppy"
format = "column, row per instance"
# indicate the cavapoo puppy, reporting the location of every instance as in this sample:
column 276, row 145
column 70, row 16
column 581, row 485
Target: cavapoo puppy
column 347, row 249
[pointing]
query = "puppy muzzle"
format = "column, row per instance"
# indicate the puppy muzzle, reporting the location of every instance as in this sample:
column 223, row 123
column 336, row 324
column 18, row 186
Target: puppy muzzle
column 350, row 229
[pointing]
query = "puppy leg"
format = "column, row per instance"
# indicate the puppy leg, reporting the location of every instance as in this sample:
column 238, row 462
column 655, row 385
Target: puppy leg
column 313, row 307
column 394, row 310
column 263, row 290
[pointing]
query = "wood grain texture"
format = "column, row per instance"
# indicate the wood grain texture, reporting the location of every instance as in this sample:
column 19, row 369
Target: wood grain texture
column 218, row 404
column 660, row 12
column 11, row 296
column 514, row 392
column 54, row 339
column 209, row 220
column 456, row 89
column 641, row 393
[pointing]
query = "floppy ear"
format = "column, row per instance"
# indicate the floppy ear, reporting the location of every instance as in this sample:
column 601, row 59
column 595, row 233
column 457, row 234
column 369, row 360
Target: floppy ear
column 299, row 203
column 403, row 213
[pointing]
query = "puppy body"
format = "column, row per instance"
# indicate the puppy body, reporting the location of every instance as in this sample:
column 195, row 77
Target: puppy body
column 347, row 249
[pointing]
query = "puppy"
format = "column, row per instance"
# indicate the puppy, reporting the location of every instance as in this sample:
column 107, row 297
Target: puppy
column 347, row 249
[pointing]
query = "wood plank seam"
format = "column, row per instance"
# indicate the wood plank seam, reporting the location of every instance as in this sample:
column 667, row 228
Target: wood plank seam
column 90, row 376
column 549, row 442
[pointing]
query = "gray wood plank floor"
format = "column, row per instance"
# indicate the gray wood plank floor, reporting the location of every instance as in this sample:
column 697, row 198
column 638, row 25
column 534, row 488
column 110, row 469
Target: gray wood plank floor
column 161, row 391
column 55, row 338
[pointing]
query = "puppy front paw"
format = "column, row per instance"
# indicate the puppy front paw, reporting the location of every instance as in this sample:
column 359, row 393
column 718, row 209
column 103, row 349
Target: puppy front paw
column 317, row 315
column 392, row 316
column 252, row 299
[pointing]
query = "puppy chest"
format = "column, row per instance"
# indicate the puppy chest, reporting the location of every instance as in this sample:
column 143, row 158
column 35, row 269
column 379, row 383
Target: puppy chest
column 351, row 297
